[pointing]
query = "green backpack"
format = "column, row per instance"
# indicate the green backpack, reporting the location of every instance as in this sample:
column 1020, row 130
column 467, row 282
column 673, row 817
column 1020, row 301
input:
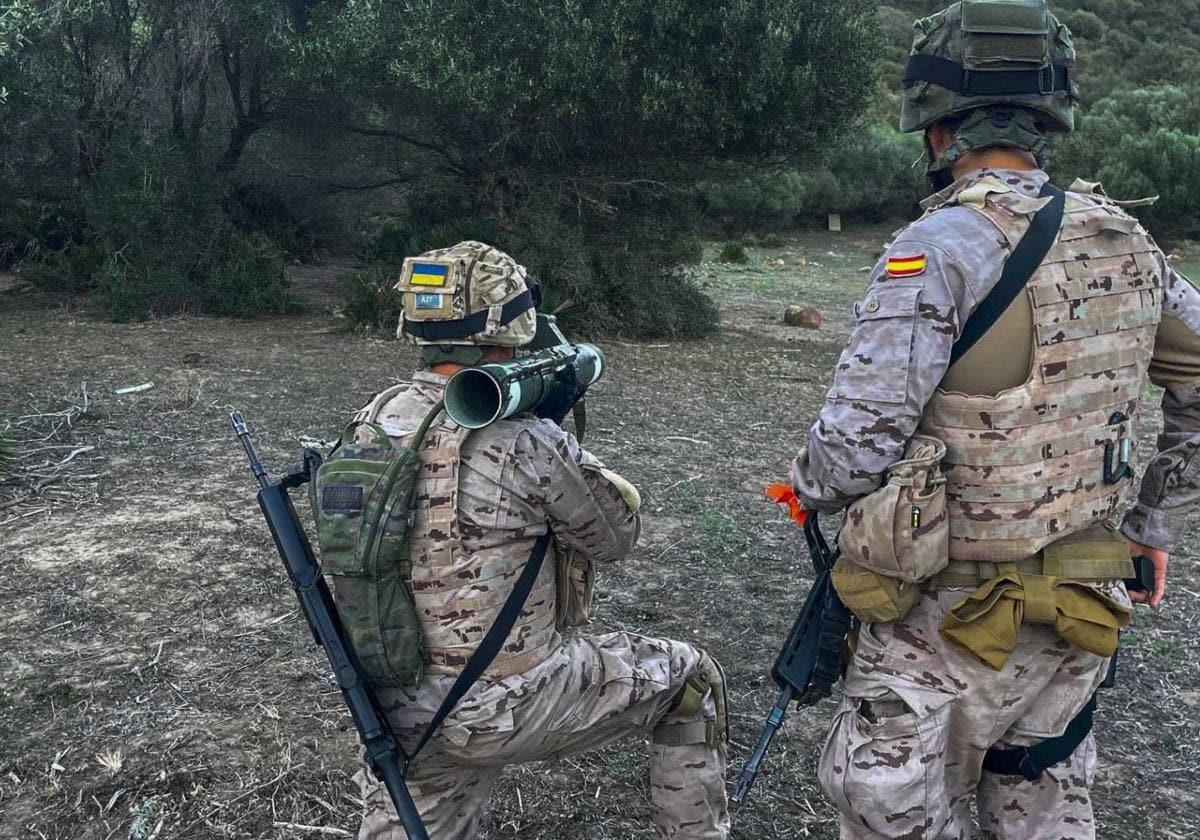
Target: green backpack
column 362, row 500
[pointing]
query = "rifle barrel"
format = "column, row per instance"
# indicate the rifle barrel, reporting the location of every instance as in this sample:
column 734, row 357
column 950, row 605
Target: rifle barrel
column 774, row 721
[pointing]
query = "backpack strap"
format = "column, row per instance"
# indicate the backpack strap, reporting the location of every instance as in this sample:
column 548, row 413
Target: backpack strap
column 491, row 644
column 1020, row 267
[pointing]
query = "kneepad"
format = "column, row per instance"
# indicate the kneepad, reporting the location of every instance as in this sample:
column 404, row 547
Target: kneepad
column 708, row 678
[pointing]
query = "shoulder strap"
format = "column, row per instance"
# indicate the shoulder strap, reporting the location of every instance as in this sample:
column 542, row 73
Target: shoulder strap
column 491, row 644
column 1025, row 259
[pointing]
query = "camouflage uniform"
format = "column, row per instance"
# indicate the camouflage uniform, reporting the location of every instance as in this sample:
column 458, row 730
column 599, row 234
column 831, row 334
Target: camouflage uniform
column 904, row 755
column 481, row 501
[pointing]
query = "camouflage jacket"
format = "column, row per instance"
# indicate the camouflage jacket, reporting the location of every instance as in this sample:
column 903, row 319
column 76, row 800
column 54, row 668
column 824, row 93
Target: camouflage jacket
column 881, row 387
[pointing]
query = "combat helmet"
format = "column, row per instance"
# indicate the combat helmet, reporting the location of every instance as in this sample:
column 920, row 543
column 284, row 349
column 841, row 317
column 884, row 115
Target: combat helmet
column 468, row 295
column 1006, row 66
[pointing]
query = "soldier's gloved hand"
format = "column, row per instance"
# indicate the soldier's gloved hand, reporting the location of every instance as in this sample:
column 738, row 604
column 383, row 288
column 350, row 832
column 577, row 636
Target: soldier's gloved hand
column 567, row 392
column 1159, row 559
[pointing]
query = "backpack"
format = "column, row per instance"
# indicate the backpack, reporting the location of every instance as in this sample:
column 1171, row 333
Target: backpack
column 362, row 501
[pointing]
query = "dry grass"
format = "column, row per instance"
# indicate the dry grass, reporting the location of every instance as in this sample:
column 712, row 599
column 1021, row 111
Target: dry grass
column 157, row 682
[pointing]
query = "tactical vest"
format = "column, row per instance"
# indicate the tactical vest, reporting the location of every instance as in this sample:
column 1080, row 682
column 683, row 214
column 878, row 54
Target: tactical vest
column 1027, row 467
column 458, row 589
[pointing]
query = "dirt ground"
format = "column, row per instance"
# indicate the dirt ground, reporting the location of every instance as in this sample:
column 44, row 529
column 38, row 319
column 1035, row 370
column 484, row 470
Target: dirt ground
column 156, row 680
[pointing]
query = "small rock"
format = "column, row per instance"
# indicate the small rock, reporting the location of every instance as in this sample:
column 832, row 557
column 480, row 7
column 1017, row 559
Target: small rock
column 803, row 316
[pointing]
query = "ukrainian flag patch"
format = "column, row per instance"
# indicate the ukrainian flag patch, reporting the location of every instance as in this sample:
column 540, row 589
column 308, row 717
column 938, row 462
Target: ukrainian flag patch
column 429, row 274
column 910, row 266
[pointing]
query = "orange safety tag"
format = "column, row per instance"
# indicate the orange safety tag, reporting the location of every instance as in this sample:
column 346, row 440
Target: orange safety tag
column 783, row 494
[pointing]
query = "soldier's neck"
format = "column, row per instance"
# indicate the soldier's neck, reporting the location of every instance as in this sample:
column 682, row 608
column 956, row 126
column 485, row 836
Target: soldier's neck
column 446, row 368
column 993, row 159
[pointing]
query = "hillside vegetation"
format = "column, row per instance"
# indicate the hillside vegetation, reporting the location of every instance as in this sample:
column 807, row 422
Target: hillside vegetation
column 1138, row 131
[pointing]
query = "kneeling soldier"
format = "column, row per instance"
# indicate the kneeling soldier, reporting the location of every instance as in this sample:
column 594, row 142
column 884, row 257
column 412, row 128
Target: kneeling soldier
column 482, row 500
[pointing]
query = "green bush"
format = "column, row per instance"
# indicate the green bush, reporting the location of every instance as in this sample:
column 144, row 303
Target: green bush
column 869, row 176
column 734, row 252
column 1141, row 143
column 367, row 300
column 169, row 247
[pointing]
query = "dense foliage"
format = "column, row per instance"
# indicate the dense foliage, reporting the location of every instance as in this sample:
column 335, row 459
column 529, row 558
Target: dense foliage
column 1138, row 132
column 159, row 150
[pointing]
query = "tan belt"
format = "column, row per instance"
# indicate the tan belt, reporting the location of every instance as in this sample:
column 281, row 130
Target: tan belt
column 1095, row 554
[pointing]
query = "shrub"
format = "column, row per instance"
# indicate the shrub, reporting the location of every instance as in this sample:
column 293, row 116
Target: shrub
column 734, row 252
column 367, row 301
column 169, row 247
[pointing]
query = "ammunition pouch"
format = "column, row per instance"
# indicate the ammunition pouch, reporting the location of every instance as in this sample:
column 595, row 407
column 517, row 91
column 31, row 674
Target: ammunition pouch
column 902, row 530
column 895, row 538
column 575, row 580
column 870, row 595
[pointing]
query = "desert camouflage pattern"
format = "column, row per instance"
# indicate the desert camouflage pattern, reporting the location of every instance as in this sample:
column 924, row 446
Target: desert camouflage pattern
column 905, row 753
column 483, row 279
column 1026, row 467
column 986, row 35
column 481, row 502
column 899, row 353
column 902, row 530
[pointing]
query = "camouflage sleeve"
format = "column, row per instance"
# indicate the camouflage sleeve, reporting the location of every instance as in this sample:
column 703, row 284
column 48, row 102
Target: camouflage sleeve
column 1171, row 483
column 590, row 509
column 898, row 352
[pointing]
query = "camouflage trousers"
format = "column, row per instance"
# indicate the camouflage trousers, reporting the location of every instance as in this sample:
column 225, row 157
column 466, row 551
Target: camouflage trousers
column 590, row 692
column 905, row 753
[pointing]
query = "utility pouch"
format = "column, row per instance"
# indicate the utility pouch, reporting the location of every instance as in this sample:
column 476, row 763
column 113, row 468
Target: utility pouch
column 902, row 530
column 870, row 595
column 361, row 498
column 1001, row 34
column 575, row 578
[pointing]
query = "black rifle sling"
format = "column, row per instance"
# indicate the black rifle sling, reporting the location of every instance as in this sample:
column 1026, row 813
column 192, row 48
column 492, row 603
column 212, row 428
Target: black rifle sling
column 1031, row 762
column 491, row 644
column 1025, row 259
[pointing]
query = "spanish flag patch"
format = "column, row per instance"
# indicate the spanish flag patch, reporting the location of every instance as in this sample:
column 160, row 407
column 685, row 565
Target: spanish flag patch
column 429, row 274
column 906, row 266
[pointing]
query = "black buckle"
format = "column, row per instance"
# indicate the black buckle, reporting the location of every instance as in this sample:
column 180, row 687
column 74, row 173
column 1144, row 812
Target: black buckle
column 1046, row 80
column 1028, row 769
column 1119, row 469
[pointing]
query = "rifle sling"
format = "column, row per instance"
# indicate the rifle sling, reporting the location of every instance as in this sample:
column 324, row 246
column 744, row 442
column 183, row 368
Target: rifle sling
column 1031, row 762
column 1020, row 267
column 491, row 644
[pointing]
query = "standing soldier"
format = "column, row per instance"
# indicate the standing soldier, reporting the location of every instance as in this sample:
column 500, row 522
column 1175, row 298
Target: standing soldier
column 482, row 500
column 979, row 429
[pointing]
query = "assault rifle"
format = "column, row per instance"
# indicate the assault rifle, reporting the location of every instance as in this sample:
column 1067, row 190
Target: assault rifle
column 811, row 661
column 383, row 752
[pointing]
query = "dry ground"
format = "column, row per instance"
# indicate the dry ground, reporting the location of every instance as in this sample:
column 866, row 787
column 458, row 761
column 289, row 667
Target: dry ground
column 156, row 681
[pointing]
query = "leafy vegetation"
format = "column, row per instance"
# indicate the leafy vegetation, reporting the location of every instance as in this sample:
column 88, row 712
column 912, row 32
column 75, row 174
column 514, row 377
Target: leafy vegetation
column 572, row 134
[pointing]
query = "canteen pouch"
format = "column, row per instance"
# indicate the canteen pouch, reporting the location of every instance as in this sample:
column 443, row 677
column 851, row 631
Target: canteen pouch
column 872, row 596
column 361, row 499
column 902, row 530
column 575, row 578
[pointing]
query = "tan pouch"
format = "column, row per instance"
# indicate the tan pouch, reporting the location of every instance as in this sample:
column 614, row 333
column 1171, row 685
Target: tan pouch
column 871, row 596
column 576, row 584
column 902, row 530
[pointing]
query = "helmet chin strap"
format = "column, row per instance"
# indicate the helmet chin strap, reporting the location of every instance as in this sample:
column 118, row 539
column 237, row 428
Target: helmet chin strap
column 992, row 127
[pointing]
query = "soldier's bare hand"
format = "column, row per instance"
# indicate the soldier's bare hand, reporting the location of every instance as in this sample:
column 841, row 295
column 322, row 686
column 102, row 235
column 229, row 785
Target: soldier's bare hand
column 1159, row 559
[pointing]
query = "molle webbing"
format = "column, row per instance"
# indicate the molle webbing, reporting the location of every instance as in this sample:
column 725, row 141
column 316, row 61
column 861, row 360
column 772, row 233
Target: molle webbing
column 1025, row 468
column 459, row 594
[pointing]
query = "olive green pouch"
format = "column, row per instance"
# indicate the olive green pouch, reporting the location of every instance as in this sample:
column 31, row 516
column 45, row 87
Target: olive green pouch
column 361, row 498
column 576, row 586
column 872, row 596
column 902, row 530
